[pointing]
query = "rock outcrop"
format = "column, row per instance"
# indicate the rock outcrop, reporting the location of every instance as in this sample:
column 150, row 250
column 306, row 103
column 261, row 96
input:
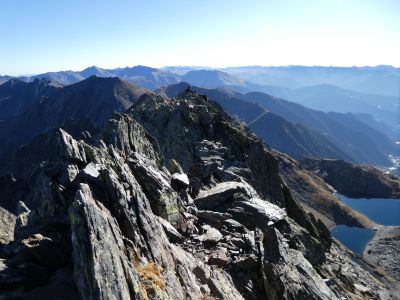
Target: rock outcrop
column 354, row 180
column 317, row 197
column 44, row 107
column 384, row 250
column 108, row 217
column 310, row 191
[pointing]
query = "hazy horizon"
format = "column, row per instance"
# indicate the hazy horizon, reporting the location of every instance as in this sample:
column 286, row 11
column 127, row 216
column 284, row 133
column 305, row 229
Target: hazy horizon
column 47, row 35
column 201, row 68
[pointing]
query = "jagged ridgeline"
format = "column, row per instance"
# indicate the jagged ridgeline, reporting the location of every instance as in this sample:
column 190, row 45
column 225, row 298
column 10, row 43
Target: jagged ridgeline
column 170, row 200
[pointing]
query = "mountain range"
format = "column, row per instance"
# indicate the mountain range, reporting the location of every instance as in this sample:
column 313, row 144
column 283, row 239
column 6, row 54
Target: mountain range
column 300, row 131
column 318, row 88
column 346, row 131
column 170, row 199
column 379, row 80
column 82, row 108
column 47, row 105
column 111, row 190
column 324, row 97
column 30, row 108
column 146, row 77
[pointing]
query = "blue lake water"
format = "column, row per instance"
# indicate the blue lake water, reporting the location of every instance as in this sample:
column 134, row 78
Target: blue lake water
column 381, row 211
column 354, row 238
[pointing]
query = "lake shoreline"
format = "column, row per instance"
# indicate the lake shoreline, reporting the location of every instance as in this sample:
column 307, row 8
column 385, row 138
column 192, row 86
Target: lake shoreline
column 368, row 240
column 381, row 211
column 354, row 238
column 383, row 250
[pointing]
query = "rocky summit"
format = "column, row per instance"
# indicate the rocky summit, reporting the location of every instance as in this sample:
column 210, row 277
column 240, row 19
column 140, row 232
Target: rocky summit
column 170, row 200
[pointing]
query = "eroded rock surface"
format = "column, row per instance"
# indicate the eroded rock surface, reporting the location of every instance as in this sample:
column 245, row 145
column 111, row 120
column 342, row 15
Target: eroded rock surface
column 7, row 225
column 384, row 250
column 111, row 210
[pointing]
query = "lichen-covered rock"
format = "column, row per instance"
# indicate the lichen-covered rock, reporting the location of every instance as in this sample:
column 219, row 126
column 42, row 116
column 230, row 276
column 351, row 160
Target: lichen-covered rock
column 107, row 208
column 101, row 269
column 163, row 198
column 287, row 274
column 7, row 225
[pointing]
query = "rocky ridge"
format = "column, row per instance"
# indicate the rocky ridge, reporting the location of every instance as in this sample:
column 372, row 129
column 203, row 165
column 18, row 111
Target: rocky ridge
column 172, row 200
column 310, row 190
column 37, row 107
column 355, row 180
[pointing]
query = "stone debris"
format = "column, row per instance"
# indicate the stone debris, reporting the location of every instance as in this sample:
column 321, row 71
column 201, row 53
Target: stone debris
column 103, row 218
column 222, row 192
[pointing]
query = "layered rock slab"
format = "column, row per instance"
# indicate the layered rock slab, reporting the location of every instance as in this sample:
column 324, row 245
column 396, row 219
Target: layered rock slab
column 110, row 199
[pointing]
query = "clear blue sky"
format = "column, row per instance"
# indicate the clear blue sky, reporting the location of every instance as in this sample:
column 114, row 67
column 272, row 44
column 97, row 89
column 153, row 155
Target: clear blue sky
column 51, row 35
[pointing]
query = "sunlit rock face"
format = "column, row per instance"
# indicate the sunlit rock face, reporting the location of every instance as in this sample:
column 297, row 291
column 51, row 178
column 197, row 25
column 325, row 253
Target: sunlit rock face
column 172, row 200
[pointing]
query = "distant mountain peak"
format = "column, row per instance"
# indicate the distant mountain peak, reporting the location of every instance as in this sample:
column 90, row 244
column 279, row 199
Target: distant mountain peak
column 94, row 70
column 136, row 71
column 42, row 81
column 13, row 82
column 211, row 78
column 100, row 80
column 141, row 67
column 94, row 67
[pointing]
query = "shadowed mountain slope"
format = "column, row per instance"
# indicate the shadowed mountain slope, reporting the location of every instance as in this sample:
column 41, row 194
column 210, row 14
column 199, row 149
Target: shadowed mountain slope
column 359, row 141
column 301, row 132
column 18, row 96
column 354, row 180
column 94, row 99
column 330, row 98
column 296, row 140
column 171, row 200
column 146, row 77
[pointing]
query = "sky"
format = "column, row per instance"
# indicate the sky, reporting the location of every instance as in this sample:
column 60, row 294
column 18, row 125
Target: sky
column 51, row 35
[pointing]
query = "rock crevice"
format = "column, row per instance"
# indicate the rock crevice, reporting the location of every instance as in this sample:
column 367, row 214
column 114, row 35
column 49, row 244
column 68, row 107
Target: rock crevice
column 226, row 227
